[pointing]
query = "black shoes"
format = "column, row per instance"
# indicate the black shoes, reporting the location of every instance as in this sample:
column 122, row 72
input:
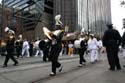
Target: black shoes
column 60, row 68
column 4, row 66
column 118, row 68
column 111, row 69
column 15, row 64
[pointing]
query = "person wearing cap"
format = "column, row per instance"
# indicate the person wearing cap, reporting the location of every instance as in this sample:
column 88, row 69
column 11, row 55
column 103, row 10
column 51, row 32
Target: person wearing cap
column 10, row 47
column 92, row 48
column 111, row 40
column 56, row 46
column 82, row 49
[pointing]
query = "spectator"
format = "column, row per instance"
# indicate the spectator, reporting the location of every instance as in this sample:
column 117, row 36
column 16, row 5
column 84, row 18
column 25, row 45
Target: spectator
column 112, row 40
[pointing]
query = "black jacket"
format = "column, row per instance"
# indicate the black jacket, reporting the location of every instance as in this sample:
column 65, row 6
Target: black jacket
column 111, row 38
column 123, row 40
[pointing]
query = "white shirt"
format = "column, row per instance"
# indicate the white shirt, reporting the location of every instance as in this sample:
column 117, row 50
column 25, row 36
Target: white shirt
column 26, row 45
column 100, row 43
column 92, row 44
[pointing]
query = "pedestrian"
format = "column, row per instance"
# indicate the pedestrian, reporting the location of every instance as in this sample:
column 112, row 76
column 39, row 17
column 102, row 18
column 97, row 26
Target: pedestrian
column 70, row 50
column 82, row 49
column 39, row 52
column 112, row 40
column 46, row 51
column 31, row 48
column 18, row 45
column 100, row 46
column 93, row 48
column 10, row 47
column 56, row 46
column 123, row 45
column 25, row 48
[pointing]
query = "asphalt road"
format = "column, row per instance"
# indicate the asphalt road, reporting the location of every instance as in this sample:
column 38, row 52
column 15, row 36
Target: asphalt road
column 32, row 70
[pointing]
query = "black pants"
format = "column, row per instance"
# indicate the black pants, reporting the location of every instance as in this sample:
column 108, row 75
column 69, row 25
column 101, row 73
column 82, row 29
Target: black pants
column 9, row 56
column 81, row 55
column 46, row 55
column 54, row 54
column 18, row 51
column 113, row 59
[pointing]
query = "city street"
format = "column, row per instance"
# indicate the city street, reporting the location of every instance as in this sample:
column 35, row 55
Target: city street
column 62, row 26
column 33, row 70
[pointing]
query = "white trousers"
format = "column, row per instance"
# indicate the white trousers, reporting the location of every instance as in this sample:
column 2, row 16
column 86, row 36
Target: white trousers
column 123, row 52
column 93, row 55
column 39, row 52
column 25, row 51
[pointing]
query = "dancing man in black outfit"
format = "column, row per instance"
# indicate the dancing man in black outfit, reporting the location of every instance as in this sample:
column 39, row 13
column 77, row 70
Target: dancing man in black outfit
column 56, row 46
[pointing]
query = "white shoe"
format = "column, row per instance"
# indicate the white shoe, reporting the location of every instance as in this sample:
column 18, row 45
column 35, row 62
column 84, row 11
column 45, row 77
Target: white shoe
column 84, row 63
column 52, row 74
column 80, row 65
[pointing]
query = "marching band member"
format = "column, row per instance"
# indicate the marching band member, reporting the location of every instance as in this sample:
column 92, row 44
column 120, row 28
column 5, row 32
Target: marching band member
column 56, row 46
column 93, row 47
column 10, row 47
column 100, row 46
column 82, row 50
column 18, row 44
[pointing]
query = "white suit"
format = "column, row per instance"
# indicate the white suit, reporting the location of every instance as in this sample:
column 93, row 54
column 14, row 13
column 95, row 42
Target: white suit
column 93, row 47
column 25, row 48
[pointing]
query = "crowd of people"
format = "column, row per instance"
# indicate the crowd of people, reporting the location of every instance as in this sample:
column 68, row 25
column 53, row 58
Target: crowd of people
column 92, row 44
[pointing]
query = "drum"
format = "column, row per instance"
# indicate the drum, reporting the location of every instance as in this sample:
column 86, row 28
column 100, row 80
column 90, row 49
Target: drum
column 78, row 43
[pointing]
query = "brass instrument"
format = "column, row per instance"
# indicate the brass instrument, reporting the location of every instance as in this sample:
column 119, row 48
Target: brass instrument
column 10, row 36
column 2, row 43
column 49, row 34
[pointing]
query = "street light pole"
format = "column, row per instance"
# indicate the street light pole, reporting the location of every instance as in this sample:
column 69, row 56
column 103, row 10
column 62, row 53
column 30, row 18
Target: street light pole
column 95, row 17
column 2, row 21
column 87, row 17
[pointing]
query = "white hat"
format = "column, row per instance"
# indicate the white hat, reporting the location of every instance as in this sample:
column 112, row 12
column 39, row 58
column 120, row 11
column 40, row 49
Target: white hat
column 20, row 36
column 11, row 31
column 6, row 29
column 57, row 19
column 92, row 35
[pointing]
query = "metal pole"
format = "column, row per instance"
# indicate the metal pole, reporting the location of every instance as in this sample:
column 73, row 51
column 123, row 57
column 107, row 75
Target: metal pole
column 87, row 13
column 2, row 23
column 95, row 17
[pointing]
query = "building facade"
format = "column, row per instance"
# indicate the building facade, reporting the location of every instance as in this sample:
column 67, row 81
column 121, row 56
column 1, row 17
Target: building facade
column 8, row 20
column 92, row 15
column 68, row 11
column 31, row 12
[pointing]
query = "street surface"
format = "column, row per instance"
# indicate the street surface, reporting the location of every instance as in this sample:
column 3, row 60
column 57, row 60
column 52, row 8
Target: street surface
column 34, row 70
